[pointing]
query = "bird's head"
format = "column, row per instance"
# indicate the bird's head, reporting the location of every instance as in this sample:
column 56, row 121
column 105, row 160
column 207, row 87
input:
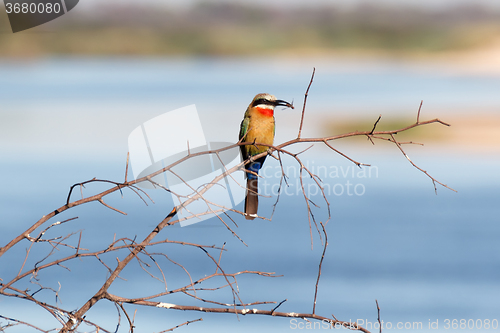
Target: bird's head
column 267, row 103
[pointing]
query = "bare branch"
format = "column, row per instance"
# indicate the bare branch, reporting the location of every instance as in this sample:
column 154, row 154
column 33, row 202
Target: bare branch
column 333, row 323
column 222, row 279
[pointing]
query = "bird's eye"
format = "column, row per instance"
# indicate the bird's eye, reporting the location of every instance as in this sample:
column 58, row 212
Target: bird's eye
column 261, row 101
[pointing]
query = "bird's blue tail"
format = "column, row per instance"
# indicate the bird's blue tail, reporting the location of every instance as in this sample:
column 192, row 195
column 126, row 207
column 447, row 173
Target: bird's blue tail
column 255, row 167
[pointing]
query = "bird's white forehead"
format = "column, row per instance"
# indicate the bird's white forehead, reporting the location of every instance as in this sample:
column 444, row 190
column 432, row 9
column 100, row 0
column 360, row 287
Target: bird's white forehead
column 268, row 97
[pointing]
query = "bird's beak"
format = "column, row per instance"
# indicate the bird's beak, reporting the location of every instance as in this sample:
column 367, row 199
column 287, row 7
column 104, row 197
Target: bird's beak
column 283, row 103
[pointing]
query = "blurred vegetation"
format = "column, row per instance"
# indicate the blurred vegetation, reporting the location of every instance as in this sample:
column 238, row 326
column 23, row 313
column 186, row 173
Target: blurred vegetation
column 227, row 29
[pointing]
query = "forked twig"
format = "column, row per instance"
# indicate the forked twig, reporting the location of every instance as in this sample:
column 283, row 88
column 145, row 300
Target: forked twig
column 434, row 180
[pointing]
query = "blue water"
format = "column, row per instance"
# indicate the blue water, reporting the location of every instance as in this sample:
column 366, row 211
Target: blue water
column 424, row 257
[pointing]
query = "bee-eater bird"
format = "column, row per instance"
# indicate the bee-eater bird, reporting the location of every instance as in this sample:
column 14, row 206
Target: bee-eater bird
column 257, row 127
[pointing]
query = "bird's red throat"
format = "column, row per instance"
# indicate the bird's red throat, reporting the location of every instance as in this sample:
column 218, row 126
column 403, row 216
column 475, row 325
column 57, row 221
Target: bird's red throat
column 266, row 112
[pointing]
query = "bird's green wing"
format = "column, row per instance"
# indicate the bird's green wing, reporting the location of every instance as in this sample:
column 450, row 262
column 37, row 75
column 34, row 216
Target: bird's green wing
column 244, row 127
column 243, row 131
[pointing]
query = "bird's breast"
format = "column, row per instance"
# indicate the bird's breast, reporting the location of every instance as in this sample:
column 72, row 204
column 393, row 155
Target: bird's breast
column 261, row 130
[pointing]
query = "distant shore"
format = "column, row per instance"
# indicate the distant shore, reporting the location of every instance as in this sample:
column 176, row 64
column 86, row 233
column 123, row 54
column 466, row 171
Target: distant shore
column 467, row 37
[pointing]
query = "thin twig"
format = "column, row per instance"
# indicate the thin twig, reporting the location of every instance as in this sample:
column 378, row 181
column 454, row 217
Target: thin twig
column 418, row 113
column 378, row 317
column 126, row 167
column 359, row 164
column 112, row 208
column 375, row 125
column 319, row 268
column 305, row 100
column 186, row 323
column 220, row 256
column 277, row 306
column 434, row 180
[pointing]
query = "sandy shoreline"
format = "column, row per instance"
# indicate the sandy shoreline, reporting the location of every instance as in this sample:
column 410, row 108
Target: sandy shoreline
column 474, row 132
column 480, row 61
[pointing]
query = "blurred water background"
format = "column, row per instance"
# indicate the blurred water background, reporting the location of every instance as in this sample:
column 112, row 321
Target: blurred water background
column 67, row 107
